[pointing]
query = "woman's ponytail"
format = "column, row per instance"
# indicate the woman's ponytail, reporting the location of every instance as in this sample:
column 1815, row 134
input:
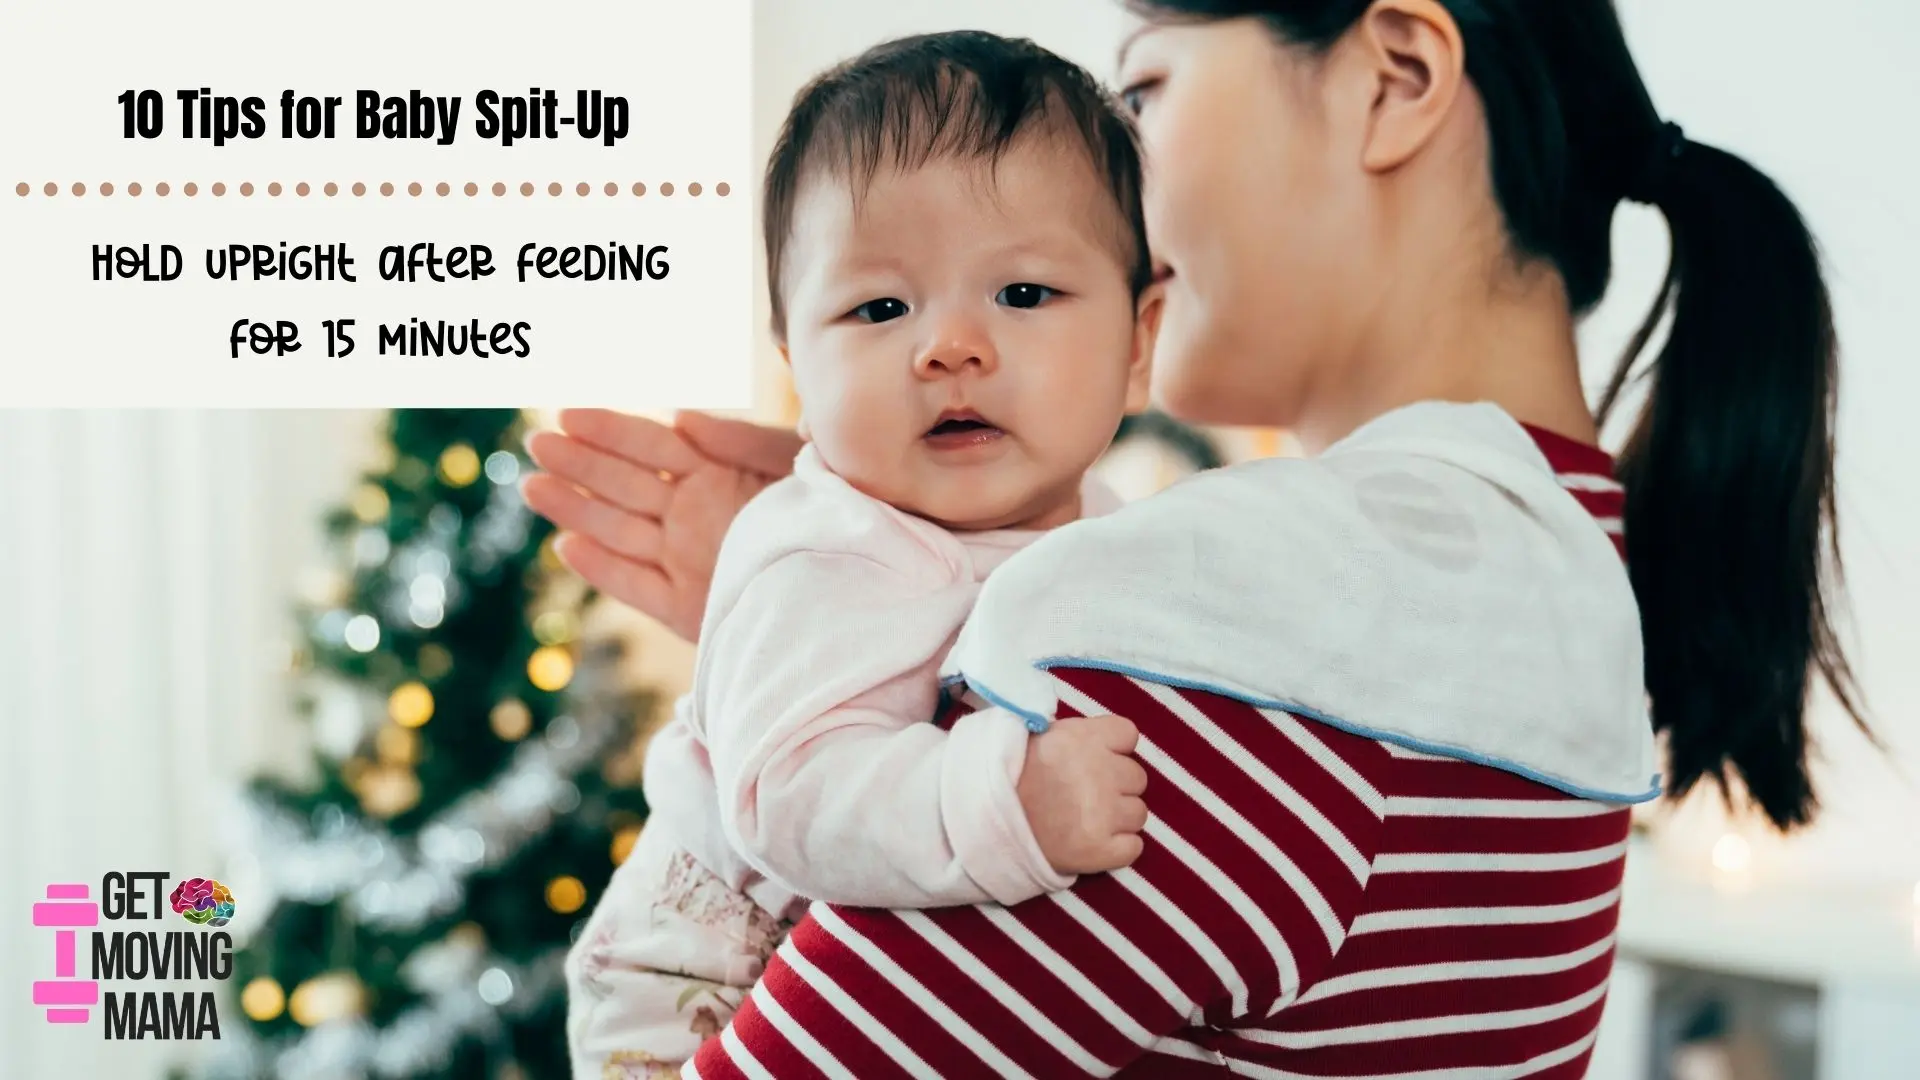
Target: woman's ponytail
column 1730, row 526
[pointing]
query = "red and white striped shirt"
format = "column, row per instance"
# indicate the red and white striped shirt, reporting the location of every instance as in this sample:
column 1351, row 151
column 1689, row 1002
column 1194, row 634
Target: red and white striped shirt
column 1310, row 903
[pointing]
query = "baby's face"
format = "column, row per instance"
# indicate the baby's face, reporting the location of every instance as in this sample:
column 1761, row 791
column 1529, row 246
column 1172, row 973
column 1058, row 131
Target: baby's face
column 964, row 342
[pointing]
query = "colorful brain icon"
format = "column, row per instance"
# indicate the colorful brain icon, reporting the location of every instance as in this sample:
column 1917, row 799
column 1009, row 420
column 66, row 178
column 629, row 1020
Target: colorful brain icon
column 203, row 901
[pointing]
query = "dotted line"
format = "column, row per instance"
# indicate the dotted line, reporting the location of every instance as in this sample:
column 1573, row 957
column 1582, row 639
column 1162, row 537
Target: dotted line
column 303, row 189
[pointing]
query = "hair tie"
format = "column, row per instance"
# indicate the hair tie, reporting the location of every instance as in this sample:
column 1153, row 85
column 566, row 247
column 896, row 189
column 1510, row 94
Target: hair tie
column 1649, row 183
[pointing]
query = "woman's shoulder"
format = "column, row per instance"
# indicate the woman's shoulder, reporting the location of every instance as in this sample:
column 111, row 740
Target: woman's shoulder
column 1433, row 496
column 1432, row 583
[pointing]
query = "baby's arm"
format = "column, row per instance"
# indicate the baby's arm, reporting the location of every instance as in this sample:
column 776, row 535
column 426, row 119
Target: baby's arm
column 819, row 688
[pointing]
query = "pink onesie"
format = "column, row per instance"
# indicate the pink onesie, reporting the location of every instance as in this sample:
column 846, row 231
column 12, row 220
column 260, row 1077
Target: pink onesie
column 802, row 766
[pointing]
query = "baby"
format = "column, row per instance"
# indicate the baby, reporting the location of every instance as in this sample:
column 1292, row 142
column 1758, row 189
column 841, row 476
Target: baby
column 961, row 286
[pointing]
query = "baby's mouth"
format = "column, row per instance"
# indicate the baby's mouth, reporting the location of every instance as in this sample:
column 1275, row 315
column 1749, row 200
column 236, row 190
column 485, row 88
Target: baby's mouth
column 958, row 428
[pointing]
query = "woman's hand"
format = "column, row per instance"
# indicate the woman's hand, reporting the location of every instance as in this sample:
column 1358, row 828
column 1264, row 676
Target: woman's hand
column 643, row 506
column 1081, row 790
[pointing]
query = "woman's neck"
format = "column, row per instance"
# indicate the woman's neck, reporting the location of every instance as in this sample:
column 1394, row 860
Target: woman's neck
column 1512, row 345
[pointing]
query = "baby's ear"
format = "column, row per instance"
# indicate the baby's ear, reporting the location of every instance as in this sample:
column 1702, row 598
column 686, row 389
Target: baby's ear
column 800, row 425
column 1146, row 330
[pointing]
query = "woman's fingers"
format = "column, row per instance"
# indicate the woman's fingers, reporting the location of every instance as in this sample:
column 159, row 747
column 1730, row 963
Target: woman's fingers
column 609, row 478
column 637, row 584
column 1133, row 815
column 554, row 499
column 634, row 536
column 739, row 444
column 651, row 445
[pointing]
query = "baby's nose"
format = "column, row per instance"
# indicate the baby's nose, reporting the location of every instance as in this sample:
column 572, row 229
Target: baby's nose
column 957, row 347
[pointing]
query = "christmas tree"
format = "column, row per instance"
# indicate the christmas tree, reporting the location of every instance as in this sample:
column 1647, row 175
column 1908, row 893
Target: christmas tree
column 476, row 782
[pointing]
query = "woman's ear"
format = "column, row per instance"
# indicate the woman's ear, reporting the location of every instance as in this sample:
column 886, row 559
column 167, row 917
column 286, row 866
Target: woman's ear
column 1146, row 330
column 1418, row 64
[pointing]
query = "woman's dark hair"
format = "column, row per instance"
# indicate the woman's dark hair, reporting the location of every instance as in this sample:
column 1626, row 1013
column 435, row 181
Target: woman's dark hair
column 1730, row 527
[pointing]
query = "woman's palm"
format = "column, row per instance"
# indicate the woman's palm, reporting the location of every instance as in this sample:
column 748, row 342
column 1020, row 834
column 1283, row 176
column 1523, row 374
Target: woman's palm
column 702, row 505
column 644, row 506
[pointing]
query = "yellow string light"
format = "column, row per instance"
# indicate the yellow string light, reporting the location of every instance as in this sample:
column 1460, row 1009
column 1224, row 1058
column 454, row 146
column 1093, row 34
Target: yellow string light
column 388, row 790
column 459, row 465
column 566, row 895
column 550, row 668
column 623, row 842
column 332, row 996
column 397, row 745
column 411, row 704
column 549, row 558
column 263, row 1000
column 370, row 504
column 511, row 720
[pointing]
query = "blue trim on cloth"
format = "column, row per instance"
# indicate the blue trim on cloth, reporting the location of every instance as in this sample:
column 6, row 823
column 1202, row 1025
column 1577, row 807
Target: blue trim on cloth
column 1035, row 722
column 1038, row 724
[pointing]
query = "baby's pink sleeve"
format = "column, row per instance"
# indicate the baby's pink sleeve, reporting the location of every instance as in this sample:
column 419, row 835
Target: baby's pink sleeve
column 817, row 691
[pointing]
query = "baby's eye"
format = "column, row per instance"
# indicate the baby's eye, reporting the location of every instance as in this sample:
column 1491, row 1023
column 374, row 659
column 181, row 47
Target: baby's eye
column 885, row 309
column 1025, row 294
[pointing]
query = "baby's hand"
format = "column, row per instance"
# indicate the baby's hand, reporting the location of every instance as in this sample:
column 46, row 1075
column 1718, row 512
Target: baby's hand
column 1081, row 790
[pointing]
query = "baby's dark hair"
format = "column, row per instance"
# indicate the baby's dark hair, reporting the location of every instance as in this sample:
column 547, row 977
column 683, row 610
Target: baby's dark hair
column 965, row 95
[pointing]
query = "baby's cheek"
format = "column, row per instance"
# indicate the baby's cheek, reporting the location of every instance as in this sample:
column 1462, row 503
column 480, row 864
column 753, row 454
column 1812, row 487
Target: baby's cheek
column 838, row 407
column 861, row 435
column 874, row 469
column 1084, row 401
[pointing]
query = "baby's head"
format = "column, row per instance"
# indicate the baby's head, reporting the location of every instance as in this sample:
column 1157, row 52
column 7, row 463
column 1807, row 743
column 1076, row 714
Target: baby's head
column 960, row 276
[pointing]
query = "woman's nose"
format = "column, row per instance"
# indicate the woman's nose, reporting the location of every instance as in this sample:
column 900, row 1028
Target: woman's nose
column 957, row 347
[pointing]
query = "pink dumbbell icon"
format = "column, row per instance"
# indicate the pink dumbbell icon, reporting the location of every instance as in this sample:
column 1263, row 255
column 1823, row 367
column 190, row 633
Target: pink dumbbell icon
column 66, row 997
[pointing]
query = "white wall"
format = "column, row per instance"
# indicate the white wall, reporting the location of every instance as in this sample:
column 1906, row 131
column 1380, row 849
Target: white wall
column 1816, row 100
column 148, row 563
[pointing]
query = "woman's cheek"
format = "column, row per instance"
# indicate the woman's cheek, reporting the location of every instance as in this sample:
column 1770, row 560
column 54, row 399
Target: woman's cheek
column 1184, row 168
column 1174, row 378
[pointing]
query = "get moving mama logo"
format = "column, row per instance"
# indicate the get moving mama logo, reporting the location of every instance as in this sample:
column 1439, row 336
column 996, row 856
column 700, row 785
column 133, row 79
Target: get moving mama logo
column 132, row 956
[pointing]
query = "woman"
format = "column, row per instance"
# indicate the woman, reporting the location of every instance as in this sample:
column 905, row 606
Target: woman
column 1389, row 782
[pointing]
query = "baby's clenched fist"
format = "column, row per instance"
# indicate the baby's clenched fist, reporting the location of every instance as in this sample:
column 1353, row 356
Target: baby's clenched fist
column 1081, row 790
